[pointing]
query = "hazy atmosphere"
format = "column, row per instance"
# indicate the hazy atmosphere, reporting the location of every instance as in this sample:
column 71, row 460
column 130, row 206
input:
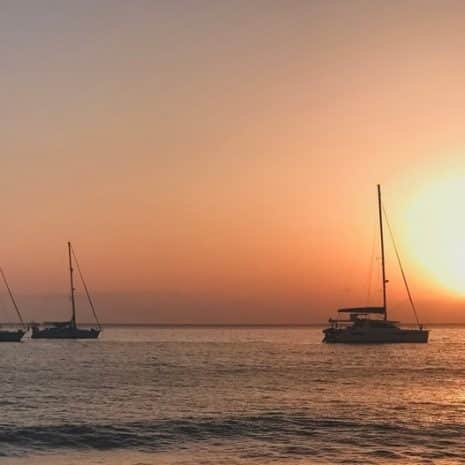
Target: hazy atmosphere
column 217, row 162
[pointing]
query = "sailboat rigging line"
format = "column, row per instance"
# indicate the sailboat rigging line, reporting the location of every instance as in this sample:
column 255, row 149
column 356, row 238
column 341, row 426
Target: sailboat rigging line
column 402, row 269
column 12, row 298
column 89, row 298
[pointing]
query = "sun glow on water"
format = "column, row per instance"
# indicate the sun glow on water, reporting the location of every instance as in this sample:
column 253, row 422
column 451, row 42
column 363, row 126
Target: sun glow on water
column 435, row 231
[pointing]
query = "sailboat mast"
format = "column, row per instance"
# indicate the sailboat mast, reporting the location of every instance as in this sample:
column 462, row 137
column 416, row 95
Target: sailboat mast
column 12, row 297
column 73, row 303
column 380, row 212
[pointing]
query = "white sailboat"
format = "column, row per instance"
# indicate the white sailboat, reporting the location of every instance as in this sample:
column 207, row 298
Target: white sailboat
column 362, row 327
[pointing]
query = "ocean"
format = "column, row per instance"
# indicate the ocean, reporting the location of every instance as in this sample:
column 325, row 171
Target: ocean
column 232, row 395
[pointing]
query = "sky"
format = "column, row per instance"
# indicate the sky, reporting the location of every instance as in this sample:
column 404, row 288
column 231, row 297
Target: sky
column 217, row 162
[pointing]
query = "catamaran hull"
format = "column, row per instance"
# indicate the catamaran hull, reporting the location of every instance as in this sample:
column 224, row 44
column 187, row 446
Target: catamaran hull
column 65, row 333
column 345, row 336
column 11, row 336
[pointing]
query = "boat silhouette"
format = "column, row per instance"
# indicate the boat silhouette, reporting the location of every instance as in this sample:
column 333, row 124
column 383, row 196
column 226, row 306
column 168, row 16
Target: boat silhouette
column 69, row 329
column 12, row 335
column 360, row 327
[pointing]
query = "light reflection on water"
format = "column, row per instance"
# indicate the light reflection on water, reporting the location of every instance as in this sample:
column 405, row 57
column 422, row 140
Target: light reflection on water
column 232, row 395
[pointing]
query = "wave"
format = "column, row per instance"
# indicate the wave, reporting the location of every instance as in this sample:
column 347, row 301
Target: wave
column 289, row 434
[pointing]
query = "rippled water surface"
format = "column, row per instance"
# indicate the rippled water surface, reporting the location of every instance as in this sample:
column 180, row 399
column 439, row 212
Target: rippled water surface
column 232, row 396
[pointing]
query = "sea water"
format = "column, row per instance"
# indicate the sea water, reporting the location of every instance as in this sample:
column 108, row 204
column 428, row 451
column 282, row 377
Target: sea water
column 232, row 396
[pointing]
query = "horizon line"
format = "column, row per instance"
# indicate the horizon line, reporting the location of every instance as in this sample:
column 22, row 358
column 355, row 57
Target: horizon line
column 222, row 325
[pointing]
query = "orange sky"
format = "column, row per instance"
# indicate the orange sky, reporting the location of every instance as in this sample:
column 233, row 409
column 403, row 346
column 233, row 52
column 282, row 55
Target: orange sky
column 217, row 161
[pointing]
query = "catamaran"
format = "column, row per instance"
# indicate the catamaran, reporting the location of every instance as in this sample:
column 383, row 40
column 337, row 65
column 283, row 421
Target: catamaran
column 360, row 327
column 13, row 335
column 69, row 329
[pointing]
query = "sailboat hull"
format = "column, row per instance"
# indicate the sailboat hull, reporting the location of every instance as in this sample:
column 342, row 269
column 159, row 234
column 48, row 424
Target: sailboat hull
column 11, row 336
column 64, row 333
column 350, row 336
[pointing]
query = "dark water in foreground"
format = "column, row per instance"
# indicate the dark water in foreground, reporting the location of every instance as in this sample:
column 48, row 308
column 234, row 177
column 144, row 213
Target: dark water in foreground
column 232, row 396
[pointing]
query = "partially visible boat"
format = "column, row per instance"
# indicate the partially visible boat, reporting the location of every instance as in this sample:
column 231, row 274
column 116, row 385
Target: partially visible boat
column 12, row 335
column 69, row 329
column 370, row 325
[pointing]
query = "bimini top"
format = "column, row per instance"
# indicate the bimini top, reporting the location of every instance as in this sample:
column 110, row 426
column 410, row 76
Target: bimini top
column 362, row 310
column 57, row 324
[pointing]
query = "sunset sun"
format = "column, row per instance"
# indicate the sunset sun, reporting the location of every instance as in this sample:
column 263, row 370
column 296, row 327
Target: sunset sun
column 435, row 231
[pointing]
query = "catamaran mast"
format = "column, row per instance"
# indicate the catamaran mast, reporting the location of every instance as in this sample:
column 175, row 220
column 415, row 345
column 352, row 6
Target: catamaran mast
column 73, row 303
column 380, row 211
